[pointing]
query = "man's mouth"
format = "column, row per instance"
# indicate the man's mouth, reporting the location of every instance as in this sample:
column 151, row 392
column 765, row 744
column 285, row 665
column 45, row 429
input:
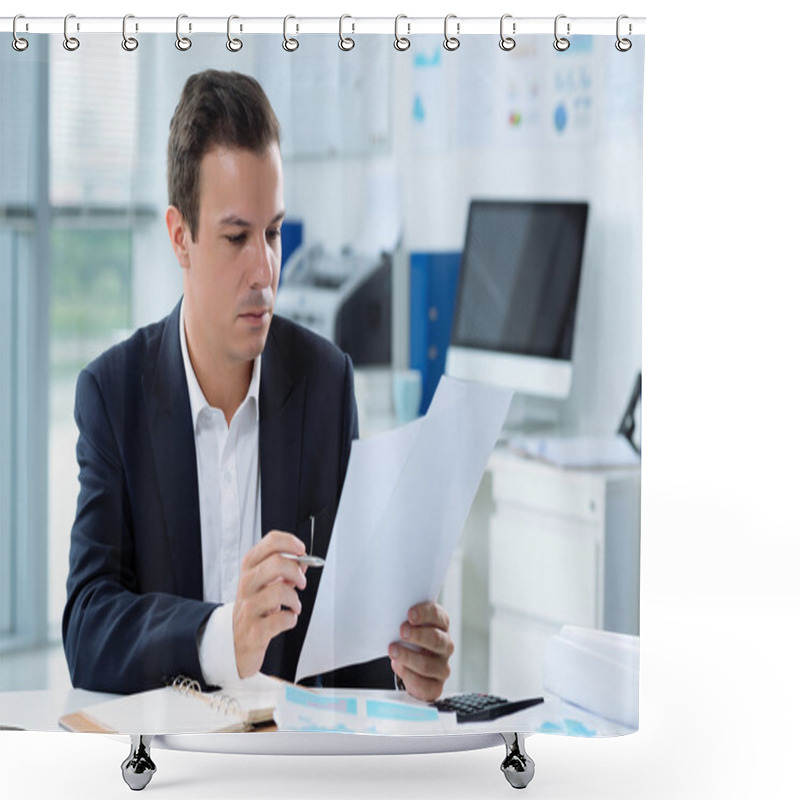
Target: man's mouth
column 255, row 315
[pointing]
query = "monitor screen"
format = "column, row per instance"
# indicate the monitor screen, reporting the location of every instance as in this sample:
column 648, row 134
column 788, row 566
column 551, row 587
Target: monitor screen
column 519, row 278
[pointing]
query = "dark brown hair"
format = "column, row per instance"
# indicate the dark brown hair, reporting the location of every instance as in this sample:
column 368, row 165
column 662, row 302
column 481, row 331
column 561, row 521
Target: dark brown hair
column 216, row 109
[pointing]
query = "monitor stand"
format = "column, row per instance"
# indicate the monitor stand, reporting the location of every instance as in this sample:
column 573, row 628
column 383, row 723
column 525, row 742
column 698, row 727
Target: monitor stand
column 532, row 416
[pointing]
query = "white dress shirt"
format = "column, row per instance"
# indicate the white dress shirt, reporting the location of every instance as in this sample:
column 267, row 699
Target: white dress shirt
column 229, row 489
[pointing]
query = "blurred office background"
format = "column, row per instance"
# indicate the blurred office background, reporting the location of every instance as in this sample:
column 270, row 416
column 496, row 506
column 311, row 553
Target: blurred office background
column 383, row 154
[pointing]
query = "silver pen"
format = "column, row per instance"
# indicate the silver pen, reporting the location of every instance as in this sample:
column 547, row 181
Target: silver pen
column 307, row 560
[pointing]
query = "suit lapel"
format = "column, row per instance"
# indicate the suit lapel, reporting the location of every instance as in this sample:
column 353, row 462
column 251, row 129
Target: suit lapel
column 280, row 408
column 172, row 435
column 281, row 404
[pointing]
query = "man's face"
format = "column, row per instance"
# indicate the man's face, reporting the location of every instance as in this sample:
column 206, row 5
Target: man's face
column 231, row 269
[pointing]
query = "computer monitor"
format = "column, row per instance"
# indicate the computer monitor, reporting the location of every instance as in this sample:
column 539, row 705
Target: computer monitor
column 517, row 297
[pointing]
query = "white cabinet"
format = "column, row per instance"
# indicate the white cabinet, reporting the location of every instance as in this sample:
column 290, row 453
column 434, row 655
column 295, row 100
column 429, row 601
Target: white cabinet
column 563, row 549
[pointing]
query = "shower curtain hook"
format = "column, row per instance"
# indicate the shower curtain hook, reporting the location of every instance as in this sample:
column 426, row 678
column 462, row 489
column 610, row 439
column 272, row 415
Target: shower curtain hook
column 507, row 42
column 129, row 43
column 71, row 43
column 400, row 42
column 451, row 42
column 346, row 43
column 234, row 45
column 561, row 43
column 289, row 44
column 19, row 44
column 623, row 45
column 183, row 43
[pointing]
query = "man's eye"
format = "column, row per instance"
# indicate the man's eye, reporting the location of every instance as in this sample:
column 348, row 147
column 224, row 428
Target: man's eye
column 238, row 239
column 274, row 234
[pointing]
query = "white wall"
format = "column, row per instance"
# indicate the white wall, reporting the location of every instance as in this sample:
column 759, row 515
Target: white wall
column 439, row 173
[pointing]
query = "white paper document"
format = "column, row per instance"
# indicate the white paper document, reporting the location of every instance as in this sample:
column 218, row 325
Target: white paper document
column 404, row 503
column 359, row 711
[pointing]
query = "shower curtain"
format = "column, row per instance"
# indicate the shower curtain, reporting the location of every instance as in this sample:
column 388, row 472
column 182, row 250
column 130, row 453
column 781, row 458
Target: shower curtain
column 386, row 153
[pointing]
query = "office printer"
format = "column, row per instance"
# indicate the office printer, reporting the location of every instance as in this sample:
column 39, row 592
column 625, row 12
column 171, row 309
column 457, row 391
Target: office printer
column 347, row 298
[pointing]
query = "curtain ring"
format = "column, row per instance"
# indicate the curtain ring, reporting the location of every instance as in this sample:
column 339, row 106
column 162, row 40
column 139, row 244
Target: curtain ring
column 345, row 43
column 183, row 43
column 623, row 45
column 234, row 45
column 289, row 45
column 451, row 42
column 70, row 42
column 129, row 43
column 400, row 42
column 19, row 44
column 561, row 43
column 506, row 42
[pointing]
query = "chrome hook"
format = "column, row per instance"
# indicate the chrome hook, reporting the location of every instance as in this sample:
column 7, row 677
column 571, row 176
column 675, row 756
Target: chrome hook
column 623, row 45
column 451, row 42
column 507, row 42
column 19, row 44
column 182, row 42
column 289, row 45
column 234, row 45
column 70, row 42
column 561, row 43
column 346, row 43
column 400, row 42
column 129, row 43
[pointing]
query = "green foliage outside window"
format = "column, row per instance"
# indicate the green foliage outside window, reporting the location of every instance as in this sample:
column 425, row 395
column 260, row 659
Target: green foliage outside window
column 90, row 289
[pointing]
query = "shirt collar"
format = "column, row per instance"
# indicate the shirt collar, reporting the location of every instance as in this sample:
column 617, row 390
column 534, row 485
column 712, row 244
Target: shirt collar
column 197, row 400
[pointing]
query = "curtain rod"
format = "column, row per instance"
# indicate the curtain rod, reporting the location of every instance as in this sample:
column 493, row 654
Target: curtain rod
column 349, row 25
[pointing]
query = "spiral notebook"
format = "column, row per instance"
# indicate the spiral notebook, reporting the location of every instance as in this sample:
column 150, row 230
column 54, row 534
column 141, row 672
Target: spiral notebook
column 182, row 708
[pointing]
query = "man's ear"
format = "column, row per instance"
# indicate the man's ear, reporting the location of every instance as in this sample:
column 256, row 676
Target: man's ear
column 179, row 235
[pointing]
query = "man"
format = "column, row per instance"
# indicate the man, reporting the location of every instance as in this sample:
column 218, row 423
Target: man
column 209, row 440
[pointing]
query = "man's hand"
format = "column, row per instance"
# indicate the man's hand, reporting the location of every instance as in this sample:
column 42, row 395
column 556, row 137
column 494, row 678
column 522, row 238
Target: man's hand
column 423, row 663
column 266, row 598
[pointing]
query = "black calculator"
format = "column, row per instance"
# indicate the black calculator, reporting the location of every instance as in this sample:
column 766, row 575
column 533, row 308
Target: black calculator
column 479, row 707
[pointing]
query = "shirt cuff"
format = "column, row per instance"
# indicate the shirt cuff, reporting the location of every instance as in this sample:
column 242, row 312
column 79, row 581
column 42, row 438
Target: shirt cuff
column 215, row 648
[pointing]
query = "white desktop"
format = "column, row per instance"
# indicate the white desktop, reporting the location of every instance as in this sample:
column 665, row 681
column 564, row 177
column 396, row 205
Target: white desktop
column 517, row 301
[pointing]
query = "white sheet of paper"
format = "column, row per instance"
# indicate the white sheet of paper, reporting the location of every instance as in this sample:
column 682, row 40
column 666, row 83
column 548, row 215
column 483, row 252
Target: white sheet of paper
column 404, row 503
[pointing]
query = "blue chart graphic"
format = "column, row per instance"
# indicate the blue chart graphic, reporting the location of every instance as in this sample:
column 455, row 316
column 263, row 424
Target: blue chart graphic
column 560, row 117
column 570, row 727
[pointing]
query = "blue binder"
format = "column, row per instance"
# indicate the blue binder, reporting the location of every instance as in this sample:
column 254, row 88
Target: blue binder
column 433, row 284
column 291, row 239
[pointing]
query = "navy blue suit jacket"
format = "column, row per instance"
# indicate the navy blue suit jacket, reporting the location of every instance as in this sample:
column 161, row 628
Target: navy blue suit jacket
column 135, row 587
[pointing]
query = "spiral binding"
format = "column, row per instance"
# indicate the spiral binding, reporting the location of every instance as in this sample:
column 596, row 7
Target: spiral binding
column 186, row 685
column 346, row 43
column 223, row 703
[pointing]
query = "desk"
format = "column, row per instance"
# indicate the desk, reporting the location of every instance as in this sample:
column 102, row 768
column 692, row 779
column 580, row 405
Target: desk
column 563, row 549
column 40, row 710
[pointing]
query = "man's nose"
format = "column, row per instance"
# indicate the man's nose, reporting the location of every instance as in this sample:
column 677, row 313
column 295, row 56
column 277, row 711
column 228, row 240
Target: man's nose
column 263, row 266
